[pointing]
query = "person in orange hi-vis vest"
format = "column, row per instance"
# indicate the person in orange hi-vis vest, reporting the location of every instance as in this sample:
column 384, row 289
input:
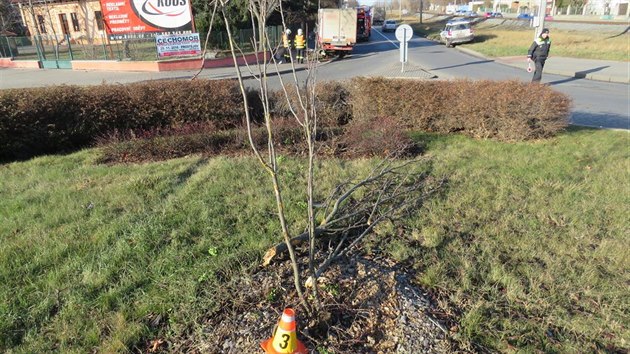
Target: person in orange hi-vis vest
column 286, row 43
column 300, row 44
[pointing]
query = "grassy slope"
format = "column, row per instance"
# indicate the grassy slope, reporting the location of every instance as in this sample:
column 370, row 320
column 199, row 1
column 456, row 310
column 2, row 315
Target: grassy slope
column 528, row 240
column 585, row 45
column 499, row 41
column 78, row 278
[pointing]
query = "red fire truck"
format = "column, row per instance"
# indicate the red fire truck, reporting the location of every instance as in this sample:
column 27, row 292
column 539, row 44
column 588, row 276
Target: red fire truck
column 364, row 23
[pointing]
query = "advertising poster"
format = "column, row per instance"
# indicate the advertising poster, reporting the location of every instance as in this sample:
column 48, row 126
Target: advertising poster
column 143, row 18
column 178, row 45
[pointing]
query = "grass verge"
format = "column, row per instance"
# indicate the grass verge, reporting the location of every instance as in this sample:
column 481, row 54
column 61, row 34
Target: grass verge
column 526, row 247
column 529, row 241
column 497, row 40
column 592, row 45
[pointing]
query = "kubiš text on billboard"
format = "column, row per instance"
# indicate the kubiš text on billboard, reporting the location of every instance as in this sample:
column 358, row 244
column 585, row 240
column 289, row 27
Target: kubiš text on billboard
column 143, row 18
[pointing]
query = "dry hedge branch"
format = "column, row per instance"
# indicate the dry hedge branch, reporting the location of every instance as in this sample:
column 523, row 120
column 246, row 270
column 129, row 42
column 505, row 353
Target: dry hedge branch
column 388, row 192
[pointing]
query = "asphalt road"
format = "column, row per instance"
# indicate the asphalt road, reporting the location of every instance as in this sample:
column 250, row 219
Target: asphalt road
column 597, row 104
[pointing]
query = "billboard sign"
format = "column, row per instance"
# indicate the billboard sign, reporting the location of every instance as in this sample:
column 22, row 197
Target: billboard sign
column 140, row 18
column 171, row 45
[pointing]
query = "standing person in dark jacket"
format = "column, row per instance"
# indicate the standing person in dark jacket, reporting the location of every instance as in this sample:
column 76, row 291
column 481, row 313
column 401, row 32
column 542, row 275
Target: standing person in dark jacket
column 538, row 52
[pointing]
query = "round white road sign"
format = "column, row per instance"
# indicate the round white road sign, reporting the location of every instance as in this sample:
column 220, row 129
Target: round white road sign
column 404, row 33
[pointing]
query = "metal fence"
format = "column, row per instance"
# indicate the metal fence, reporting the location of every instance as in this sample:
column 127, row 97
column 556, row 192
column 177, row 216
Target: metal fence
column 50, row 47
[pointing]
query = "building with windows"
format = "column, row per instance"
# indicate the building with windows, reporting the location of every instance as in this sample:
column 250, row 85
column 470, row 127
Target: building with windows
column 60, row 20
column 607, row 7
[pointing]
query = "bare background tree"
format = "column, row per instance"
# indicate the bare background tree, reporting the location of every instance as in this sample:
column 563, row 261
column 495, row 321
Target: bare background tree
column 10, row 19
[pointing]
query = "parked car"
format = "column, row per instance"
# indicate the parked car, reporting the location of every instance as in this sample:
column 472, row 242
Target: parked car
column 457, row 32
column 525, row 16
column 389, row 25
column 496, row 15
column 470, row 14
column 460, row 13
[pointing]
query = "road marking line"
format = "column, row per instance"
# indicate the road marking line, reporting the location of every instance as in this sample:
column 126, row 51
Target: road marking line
column 387, row 39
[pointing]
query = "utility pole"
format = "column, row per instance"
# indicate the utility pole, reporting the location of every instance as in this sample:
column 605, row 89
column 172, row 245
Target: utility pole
column 542, row 11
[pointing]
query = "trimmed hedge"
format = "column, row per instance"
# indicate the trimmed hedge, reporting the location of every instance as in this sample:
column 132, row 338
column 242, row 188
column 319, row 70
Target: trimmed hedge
column 288, row 138
column 377, row 137
column 503, row 110
column 331, row 103
column 64, row 118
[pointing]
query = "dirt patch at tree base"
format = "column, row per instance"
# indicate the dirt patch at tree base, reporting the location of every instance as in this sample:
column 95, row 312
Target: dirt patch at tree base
column 369, row 306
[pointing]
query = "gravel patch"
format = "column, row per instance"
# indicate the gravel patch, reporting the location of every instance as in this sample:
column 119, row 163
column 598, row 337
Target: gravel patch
column 369, row 306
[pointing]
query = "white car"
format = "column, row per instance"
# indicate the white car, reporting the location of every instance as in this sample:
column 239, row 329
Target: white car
column 389, row 25
column 457, row 32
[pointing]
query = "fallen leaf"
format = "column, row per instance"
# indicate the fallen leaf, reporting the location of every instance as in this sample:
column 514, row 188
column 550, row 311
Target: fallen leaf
column 155, row 345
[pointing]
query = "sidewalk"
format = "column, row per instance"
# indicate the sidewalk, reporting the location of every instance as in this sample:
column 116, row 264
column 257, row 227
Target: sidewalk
column 591, row 69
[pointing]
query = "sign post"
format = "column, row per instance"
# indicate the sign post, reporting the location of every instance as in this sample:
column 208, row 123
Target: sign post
column 403, row 34
column 542, row 12
column 403, row 55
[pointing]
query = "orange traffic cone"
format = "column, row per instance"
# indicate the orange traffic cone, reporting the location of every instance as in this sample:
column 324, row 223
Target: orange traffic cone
column 284, row 339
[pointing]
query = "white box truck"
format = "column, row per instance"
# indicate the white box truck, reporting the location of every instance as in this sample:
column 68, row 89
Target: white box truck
column 337, row 30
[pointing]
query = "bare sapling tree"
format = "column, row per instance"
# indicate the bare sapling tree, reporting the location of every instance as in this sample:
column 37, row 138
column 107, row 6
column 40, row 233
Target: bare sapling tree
column 354, row 208
column 260, row 10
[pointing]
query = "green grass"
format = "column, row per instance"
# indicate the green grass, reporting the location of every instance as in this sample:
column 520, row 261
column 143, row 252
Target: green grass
column 156, row 241
column 527, row 240
column 429, row 29
column 531, row 240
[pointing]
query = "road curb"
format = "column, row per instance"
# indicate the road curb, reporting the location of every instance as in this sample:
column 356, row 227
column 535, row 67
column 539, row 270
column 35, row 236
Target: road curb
column 567, row 73
column 284, row 68
column 474, row 53
column 599, row 77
